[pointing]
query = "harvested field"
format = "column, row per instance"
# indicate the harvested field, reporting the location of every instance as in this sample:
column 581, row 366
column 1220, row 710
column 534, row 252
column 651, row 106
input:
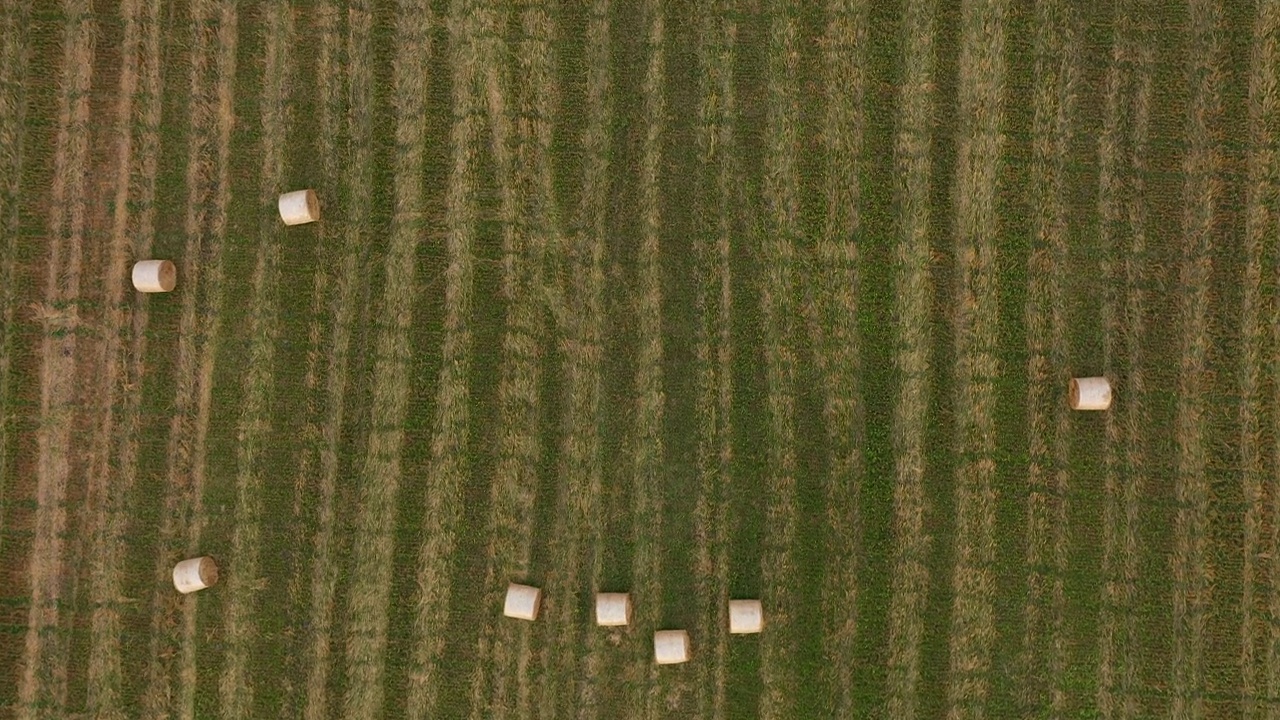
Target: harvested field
column 695, row 301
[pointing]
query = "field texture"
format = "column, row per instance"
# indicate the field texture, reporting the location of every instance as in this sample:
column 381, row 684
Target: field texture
column 695, row 299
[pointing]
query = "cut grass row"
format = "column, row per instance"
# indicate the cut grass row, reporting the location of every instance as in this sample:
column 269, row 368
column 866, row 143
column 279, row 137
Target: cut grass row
column 502, row 685
column 981, row 75
column 578, row 536
column 1122, row 200
column 1044, row 650
column 380, row 477
column 586, row 268
column 647, row 448
column 834, row 335
column 913, row 293
column 236, row 689
column 354, row 176
column 1191, row 570
column 140, row 73
column 778, row 306
column 1260, row 223
column 13, row 111
column 718, row 144
column 42, row 689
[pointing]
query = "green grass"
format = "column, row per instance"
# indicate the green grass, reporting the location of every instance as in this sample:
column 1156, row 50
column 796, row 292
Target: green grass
column 693, row 300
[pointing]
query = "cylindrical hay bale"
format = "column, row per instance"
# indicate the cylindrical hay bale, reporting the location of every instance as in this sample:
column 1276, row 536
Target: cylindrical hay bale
column 154, row 276
column 299, row 207
column 1091, row 393
column 522, row 602
column 670, row 647
column 745, row 616
column 613, row 609
column 195, row 574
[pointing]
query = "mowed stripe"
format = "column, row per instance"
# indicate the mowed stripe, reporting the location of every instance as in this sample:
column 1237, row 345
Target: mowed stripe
column 13, row 111
column 43, row 685
column 577, row 535
column 977, row 367
column 587, row 270
column 1044, row 635
column 226, row 43
column 123, row 367
column 236, row 689
column 354, row 175
column 180, row 488
column 1191, row 571
column 647, row 449
column 913, row 294
column 834, row 335
column 1260, row 226
column 778, row 305
column 718, row 144
column 504, row 688
column 450, row 441
column 380, row 477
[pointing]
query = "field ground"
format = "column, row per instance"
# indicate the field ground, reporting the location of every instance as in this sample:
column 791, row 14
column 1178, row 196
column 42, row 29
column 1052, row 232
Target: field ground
column 698, row 300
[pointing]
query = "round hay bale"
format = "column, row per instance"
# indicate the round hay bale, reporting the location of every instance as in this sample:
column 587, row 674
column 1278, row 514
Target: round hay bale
column 745, row 617
column 195, row 574
column 1091, row 393
column 670, row 647
column 523, row 602
column 152, row 276
column 613, row 609
column 299, row 207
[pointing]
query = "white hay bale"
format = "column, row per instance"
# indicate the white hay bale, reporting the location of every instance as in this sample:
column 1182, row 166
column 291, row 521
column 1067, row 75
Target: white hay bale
column 195, row 574
column 1091, row 393
column 150, row 276
column 523, row 602
column 670, row 647
column 745, row 616
column 299, row 207
column 613, row 609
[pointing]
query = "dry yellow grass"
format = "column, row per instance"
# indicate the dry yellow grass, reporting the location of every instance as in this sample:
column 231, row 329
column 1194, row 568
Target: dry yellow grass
column 832, row 321
column 913, row 293
column 981, row 77
column 588, row 258
column 14, row 18
column 1122, row 150
column 158, row 695
column 778, row 305
column 140, row 69
column 1044, row 652
column 1191, row 561
column 647, row 450
column 1260, row 224
column 501, row 684
column 354, row 175
column 43, row 686
column 716, row 140
column 235, row 688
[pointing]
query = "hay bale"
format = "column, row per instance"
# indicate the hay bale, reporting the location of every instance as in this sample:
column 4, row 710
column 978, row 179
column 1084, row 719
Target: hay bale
column 670, row 647
column 523, row 602
column 1091, row 393
column 195, row 574
column 613, row 609
column 745, row 617
column 152, row 276
column 299, row 207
